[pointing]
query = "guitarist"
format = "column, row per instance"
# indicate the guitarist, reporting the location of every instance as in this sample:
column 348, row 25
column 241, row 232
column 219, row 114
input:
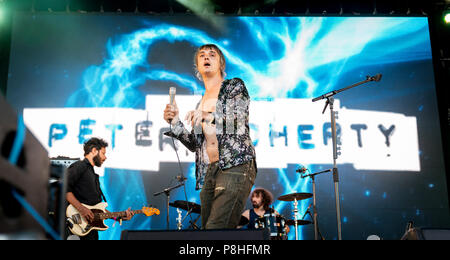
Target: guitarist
column 83, row 184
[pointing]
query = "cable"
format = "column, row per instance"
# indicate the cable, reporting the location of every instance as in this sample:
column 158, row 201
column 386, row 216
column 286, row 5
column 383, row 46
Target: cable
column 175, row 148
column 181, row 171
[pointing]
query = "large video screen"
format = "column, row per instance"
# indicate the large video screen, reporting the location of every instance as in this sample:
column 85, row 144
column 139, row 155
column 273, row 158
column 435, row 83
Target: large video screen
column 76, row 76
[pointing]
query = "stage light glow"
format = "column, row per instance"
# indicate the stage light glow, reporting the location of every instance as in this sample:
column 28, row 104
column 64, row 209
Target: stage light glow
column 447, row 17
column 205, row 10
column 198, row 7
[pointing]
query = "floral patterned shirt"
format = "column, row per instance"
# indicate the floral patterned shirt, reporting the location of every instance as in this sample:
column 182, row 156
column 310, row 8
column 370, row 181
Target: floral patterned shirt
column 232, row 130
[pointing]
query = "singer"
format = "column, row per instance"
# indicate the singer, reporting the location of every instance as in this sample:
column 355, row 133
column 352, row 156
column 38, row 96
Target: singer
column 224, row 153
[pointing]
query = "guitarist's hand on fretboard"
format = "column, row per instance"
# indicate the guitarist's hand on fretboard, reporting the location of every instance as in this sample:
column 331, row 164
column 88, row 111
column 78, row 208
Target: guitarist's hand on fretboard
column 130, row 214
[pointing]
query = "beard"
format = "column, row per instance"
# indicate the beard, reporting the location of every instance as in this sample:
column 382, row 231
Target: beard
column 97, row 160
column 256, row 205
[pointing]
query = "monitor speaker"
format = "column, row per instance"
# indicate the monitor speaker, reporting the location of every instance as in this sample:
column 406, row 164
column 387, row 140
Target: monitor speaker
column 228, row 234
column 28, row 176
column 417, row 233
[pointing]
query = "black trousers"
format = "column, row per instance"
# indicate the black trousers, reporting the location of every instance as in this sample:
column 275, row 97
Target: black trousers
column 93, row 235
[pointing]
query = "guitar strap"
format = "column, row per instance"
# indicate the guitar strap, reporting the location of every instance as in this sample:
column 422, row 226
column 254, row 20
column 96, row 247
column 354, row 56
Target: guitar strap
column 103, row 196
column 99, row 189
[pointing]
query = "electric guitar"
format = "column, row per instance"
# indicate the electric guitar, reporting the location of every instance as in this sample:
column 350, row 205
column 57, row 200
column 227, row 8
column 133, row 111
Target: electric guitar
column 79, row 226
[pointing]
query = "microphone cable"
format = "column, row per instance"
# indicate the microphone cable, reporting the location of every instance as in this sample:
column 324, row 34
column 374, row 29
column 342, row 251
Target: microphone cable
column 181, row 171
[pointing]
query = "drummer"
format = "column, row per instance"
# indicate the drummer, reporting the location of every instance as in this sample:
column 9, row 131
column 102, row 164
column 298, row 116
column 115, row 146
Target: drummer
column 261, row 200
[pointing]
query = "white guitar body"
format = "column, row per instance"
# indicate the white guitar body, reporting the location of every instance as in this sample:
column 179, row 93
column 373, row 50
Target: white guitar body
column 80, row 226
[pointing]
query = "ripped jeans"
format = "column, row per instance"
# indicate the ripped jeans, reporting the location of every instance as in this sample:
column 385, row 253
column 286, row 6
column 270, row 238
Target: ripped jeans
column 224, row 194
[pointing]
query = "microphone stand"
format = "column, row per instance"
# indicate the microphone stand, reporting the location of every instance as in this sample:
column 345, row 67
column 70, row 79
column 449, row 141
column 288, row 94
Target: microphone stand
column 318, row 231
column 330, row 101
column 167, row 192
column 312, row 175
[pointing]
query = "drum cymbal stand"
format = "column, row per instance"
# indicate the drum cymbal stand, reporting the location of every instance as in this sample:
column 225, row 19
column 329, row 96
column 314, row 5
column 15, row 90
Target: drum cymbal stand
column 295, row 218
column 192, row 223
column 179, row 220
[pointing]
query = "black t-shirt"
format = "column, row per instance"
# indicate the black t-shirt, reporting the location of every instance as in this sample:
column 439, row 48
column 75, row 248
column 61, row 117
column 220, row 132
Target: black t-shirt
column 84, row 183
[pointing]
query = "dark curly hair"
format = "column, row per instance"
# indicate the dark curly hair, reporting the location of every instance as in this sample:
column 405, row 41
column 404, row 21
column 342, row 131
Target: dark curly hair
column 267, row 197
column 94, row 143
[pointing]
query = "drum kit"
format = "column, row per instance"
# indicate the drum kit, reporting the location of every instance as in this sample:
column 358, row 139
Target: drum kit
column 278, row 224
column 275, row 223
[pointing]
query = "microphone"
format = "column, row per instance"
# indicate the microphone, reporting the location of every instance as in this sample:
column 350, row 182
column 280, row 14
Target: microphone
column 172, row 92
column 301, row 169
column 375, row 78
column 180, row 178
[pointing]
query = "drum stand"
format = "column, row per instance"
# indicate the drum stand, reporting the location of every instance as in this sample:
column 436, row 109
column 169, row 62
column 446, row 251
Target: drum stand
column 295, row 218
column 179, row 220
column 167, row 192
column 192, row 224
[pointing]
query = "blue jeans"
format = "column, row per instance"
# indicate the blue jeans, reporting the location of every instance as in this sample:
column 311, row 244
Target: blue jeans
column 224, row 195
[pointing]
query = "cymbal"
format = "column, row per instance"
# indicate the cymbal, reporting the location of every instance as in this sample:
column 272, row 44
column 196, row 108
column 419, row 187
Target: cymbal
column 291, row 222
column 186, row 205
column 297, row 196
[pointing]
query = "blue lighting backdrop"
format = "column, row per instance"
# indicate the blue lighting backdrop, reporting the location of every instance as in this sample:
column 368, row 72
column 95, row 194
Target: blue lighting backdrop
column 74, row 76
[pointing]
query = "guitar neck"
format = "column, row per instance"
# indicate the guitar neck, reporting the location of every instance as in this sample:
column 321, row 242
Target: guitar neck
column 120, row 214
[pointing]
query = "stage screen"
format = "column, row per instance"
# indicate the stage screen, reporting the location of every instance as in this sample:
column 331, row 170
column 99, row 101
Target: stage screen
column 76, row 76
